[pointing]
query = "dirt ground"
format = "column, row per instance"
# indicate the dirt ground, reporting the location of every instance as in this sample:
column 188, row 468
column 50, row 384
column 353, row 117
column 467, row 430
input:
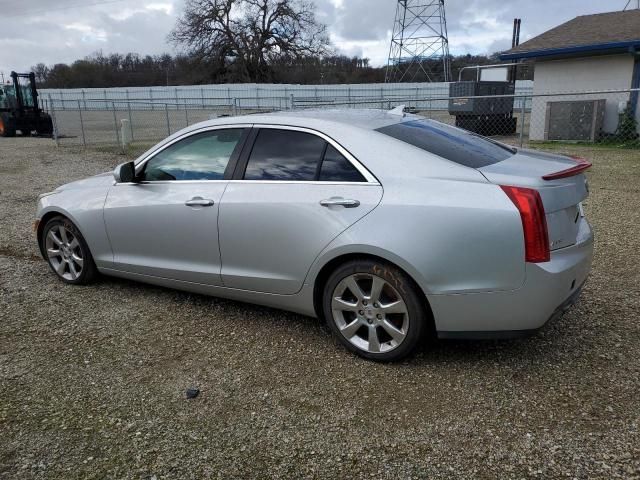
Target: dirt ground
column 93, row 379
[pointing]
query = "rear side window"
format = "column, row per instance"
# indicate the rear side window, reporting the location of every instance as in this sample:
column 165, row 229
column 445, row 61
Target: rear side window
column 297, row 156
column 336, row 168
column 454, row 144
column 284, row 155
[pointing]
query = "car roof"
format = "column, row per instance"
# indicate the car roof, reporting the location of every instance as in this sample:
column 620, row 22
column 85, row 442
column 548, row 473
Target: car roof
column 363, row 118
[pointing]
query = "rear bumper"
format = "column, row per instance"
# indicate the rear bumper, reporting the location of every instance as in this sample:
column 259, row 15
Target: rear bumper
column 513, row 334
column 549, row 289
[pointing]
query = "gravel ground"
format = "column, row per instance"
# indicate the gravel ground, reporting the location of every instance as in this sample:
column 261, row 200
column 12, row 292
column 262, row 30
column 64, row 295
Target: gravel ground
column 93, row 379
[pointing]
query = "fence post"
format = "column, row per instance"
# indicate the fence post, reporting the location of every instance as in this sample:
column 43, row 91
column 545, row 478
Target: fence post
column 186, row 113
column 202, row 97
column 115, row 125
column 293, row 102
column 130, row 119
column 54, row 121
column 84, row 99
column 84, row 139
column 522, row 114
column 151, row 98
column 166, row 112
column 235, row 107
column 125, row 131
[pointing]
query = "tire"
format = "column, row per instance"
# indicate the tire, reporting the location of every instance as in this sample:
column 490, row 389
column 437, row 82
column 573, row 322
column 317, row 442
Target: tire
column 67, row 252
column 383, row 327
column 7, row 125
column 45, row 126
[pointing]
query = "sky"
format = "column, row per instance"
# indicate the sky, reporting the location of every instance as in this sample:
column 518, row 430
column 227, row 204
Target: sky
column 35, row 31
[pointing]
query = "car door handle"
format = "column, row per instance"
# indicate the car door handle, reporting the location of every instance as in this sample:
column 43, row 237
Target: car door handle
column 199, row 202
column 344, row 202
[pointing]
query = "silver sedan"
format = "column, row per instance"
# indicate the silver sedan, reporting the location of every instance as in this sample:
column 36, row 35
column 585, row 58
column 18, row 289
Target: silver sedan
column 387, row 226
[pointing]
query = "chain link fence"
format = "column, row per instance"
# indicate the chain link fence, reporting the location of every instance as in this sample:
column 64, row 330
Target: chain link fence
column 250, row 94
column 604, row 119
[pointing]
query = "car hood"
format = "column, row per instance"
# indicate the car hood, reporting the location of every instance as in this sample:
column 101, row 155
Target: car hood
column 103, row 179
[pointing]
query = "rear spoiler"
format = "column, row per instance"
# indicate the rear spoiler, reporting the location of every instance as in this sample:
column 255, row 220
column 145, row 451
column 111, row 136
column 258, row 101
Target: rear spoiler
column 582, row 164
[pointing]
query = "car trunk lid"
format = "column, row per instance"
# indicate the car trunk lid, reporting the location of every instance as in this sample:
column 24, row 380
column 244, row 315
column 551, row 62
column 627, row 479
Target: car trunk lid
column 558, row 179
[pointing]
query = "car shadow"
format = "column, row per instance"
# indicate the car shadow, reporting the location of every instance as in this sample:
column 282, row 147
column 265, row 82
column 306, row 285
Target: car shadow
column 552, row 342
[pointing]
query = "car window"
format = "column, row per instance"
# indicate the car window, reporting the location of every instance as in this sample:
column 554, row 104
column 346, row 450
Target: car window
column 454, row 144
column 336, row 168
column 284, row 155
column 203, row 156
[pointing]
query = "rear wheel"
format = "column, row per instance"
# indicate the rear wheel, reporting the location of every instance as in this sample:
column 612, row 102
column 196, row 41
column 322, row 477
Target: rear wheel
column 374, row 310
column 67, row 252
column 7, row 125
column 45, row 126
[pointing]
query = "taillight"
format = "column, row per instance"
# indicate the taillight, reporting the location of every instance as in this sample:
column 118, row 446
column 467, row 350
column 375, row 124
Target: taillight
column 534, row 222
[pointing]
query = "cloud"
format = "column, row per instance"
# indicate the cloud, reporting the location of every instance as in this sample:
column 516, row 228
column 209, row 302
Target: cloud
column 64, row 34
column 67, row 30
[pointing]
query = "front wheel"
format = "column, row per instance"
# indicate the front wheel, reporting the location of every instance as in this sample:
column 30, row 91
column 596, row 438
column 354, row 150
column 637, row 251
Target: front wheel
column 374, row 309
column 67, row 252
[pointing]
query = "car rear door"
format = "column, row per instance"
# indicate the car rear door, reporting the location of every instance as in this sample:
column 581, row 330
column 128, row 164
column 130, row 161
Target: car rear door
column 293, row 192
column 166, row 223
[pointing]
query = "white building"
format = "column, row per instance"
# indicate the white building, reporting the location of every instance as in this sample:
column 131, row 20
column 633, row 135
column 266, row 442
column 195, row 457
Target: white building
column 590, row 53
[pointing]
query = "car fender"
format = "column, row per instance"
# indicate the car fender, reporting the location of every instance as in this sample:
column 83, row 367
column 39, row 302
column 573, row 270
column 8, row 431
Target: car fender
column 87, row 216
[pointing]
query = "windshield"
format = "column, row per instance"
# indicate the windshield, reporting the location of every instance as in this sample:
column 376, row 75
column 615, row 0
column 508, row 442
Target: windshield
column 454, row 144
column 25, row 92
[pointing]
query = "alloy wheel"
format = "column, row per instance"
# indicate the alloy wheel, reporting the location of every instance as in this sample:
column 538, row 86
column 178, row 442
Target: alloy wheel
column 370, row 313
column 64, row 252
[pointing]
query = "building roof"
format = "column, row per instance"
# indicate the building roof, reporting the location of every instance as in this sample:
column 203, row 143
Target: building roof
column 602, row 32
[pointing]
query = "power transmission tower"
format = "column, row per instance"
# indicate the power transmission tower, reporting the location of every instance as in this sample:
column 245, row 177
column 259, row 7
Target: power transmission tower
column 419, row 49
column 630, row 2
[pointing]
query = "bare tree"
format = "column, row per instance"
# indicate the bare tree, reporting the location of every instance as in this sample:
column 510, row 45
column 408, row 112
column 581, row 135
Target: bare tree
column 251, row 35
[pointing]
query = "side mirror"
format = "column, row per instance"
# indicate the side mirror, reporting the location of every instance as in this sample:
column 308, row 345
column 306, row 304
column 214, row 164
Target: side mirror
column 125, row 172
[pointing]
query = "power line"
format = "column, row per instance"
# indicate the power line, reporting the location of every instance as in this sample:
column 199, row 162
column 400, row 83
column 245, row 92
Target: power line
column 68, row 7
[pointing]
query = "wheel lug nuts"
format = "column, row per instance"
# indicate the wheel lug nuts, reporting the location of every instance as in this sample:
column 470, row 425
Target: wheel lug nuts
column 370, row 321
column 361, row 312
column 375, row 305
column 364, row 302
column 379, row 317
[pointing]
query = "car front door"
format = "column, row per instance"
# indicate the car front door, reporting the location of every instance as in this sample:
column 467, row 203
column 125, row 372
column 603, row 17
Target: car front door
column 165, row 224
column 293, row 192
